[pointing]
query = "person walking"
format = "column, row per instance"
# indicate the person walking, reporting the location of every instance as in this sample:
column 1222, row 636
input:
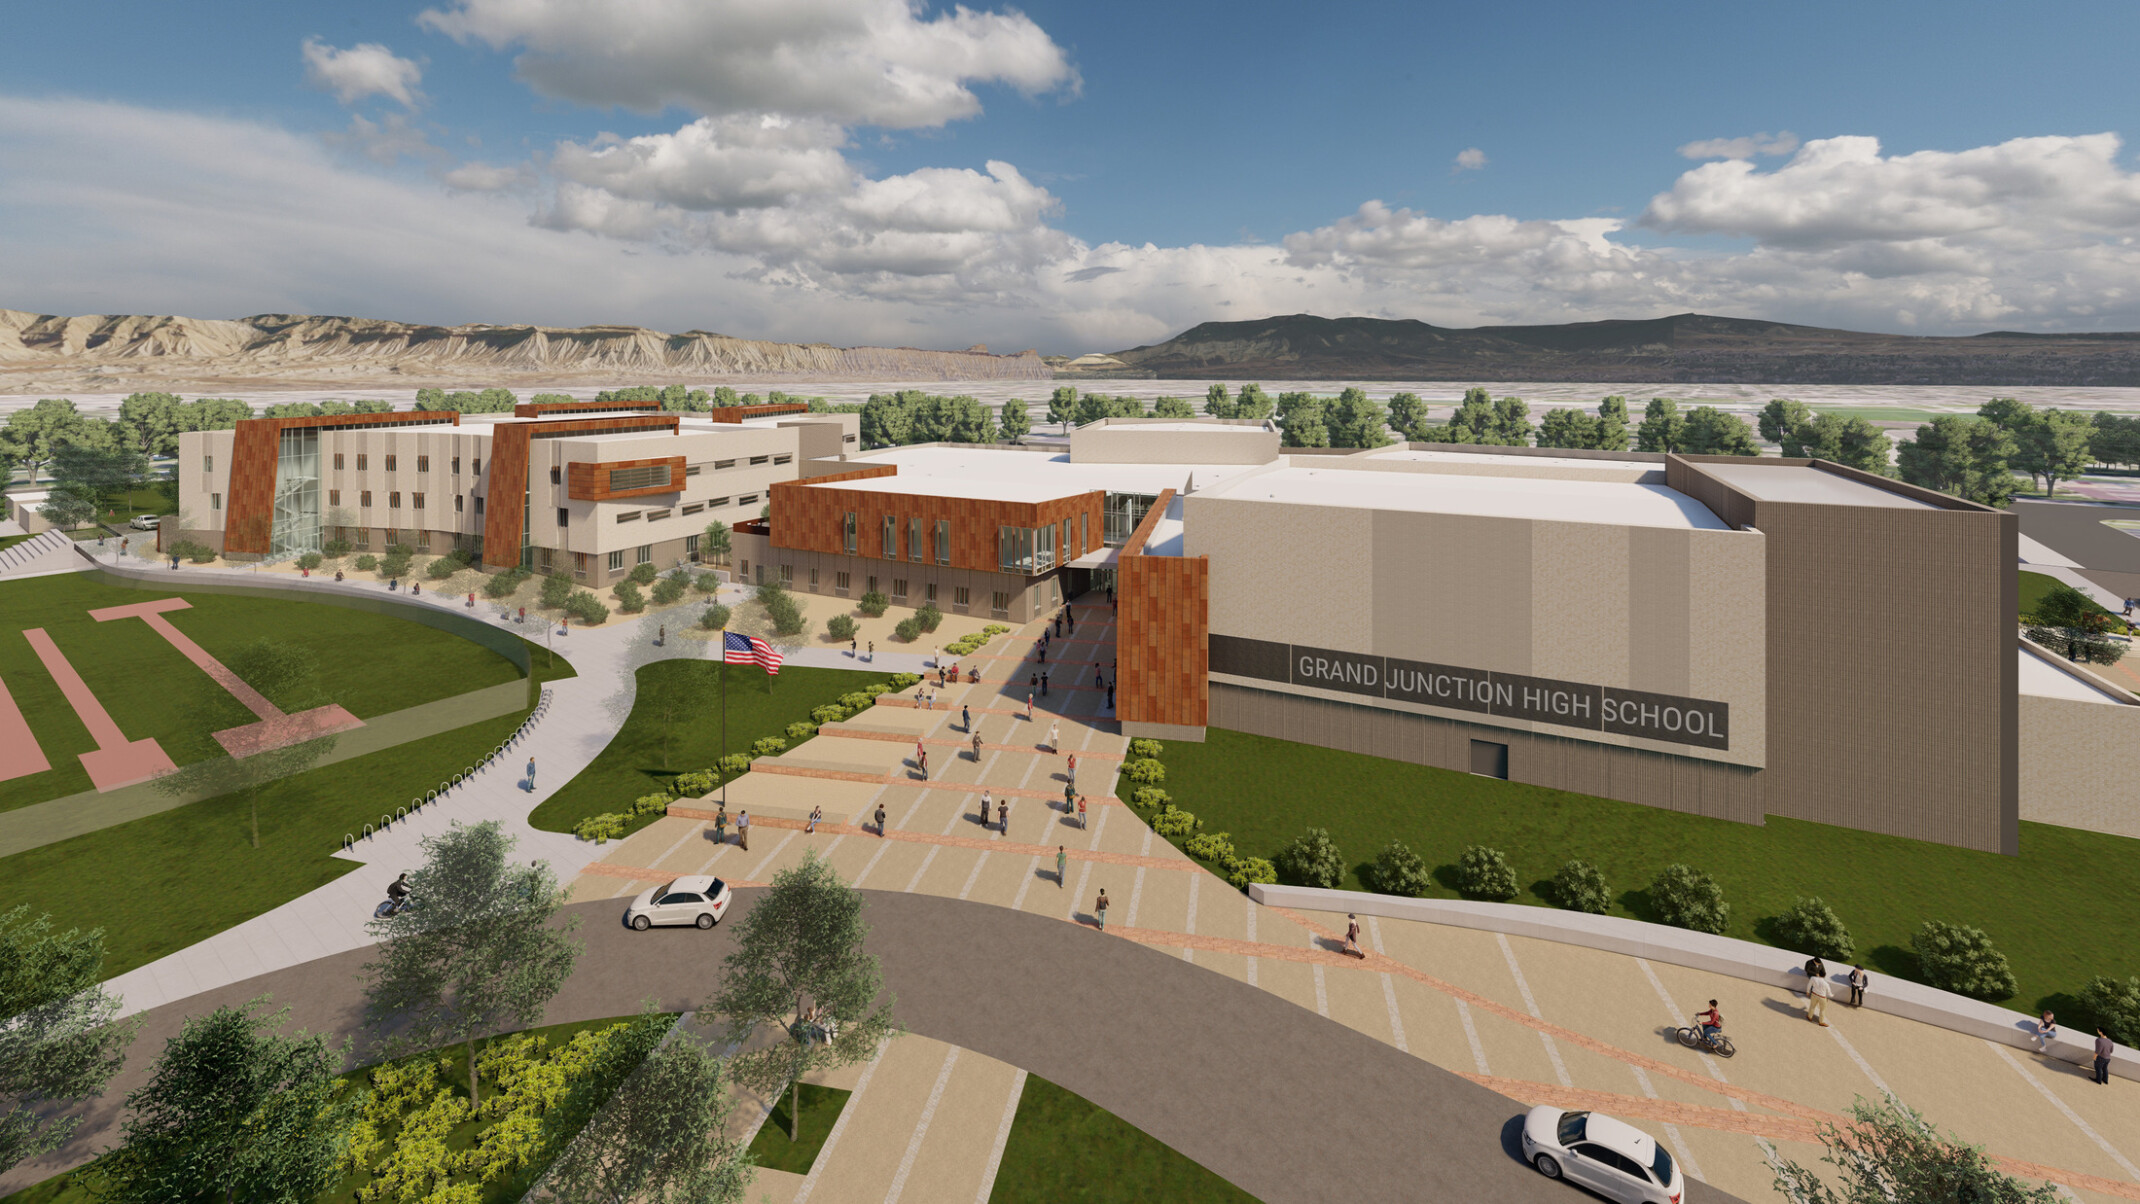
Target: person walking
column 531, row 775
column 1081, row 812
column 1110, row 698
column 1069, row 800
column 2103, row 1047
column 1028, row 706
column 1099, row 909
column 853, row 650
column 988, row 804
column 1062, row 864
column 1073, row 771
column 921, row 756
column 816, row 814
column 880, row 821
column 661, row 637
column 977, row 748
column 1858, row 980
column 1032, row 683
column 925, row 765
column 1003, row 815
column 1055, row 738
column 1043, row 685
column 2046, row 1031
column 873, row 652
column 1818, row 993
column 743, row 830
column 1352, row 936
column 720, row 825
column 965, row 718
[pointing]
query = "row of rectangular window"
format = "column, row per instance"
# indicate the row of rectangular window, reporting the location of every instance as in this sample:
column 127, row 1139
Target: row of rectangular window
column 423, row 463
column 916, row 548
column 393, row 500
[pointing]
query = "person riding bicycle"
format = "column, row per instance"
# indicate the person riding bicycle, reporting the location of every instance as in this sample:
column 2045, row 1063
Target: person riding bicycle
column 399, row 891
column 1712, row 1022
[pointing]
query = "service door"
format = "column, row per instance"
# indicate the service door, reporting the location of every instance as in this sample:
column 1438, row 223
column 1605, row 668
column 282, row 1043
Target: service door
column 1489, row 759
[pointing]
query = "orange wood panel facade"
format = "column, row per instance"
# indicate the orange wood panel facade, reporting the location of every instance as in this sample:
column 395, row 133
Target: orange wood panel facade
column 530, row 409
column 1162, row 633
column 739, row 413
column 812, row 517
column 506, row 475
column 249, row 510
column 590, row 482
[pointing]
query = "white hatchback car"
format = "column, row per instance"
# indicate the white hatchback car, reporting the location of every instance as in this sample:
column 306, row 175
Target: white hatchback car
column 1610, row 1157
column 695, row 900
column 145, row 522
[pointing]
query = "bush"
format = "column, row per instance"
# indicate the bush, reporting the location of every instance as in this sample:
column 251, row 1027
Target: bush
column 1174, row 823
column 2115, row 1006
column 643, row 573
column 1958, row 958
column 1141, row 748
column 909, row 630
column 1811, row 926
column 600, row 828
column 443, row 567
column 586, row 608
column 929, row 617
column 395, row 565
column 901, row 681
column 1311, row 860
column 855, row 700
column 198, row 553
column 503, row 585
column 1149, row 797
column 336, row 548
column 715, row 618
column 1251, row 869
column 671, row 588
column 367, row 562
column 1210, row 846
column 1399, row 871
column 734, row 763
column 629, row 599
column 556, row 590
column 840, row 627
column 1580, row 886
column 767, row 746
column 650, row 804
column 801, row 731
column 705, row 583
column 831, row 712
column 785, row 615
column 1484, row 873
column 873, row 604
column 310, row 560
column 1688, row 898
column 696, row 784
column 1145, row 773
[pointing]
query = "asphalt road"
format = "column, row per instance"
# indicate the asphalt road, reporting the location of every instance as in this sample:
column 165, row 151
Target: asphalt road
column 2076, row 530
column 1284, row 1103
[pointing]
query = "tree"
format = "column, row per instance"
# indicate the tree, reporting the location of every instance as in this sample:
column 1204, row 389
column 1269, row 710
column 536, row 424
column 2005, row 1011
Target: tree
column 1062, row 405
column 1012, row 421
column 1782, row 416
column 661, row 1138
column 1512, row 422
column 2115, row 440
column 1964, row 456
column 1473, row 419
column 1712, row 432
column 1216, row 403
column 674, row 691
column 800, row 954
column 1663, row 429
column 68, row 507
column 150, row 422
column 285, row 675
column 716, row 544
column 1840, row 440
column 1300, row 417
column 2066, row 620
column 1250, row 401
column 214, row 414
column 476, row 954
column 60, row 1045
column 235, row 1111
column 33, row 436
column 1612, row 424
column 1568, row 428
column 2054, row 446
column 1888, row 1154
column 1172, row 407
column 1356, row 420
column 1408, row 415
column 99, row 470
column 886, row 420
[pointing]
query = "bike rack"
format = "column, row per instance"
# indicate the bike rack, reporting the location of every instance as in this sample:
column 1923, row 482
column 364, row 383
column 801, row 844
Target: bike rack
column 385, row 822
column 431, row 796
column 348, row 842
column 400, row 813
column 367, row 831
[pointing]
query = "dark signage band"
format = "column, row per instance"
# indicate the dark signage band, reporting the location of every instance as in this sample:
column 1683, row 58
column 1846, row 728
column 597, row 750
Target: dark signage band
column 1694, row 721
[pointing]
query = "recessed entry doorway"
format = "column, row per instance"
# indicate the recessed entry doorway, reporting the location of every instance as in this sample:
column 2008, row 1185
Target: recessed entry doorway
column 1489, row 759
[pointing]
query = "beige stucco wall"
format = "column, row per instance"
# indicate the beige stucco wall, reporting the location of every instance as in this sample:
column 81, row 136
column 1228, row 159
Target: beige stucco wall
column 1672, row 611
column 1138, row 441
column 2077, row 764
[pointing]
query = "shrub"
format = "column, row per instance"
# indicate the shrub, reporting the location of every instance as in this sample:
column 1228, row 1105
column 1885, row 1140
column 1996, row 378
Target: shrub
column 831, row 712
column 767, row 746
column 1484, row 873
column 336, row 548
column 1141, row 748
column 310, row 560
column 1210, row 846
column 873, row 604
column 671, row 588
column 840, row 627
column 929, row 617
column 1580, row 886
column 801, row 731
column 2115, row 1006
column 901, row 681
column 1145, row 773
column 1399, row 871
column 715, row 618
column 600, row 828
column 1688, row 898
column 1174, row 823
column 586, row 608
column 556, row 590
column 785, row 615
column 1251, row 869
column 1811, row 926
column 396, row 561
column 442, row 568
column 994, row 629
column 696, row 784
column 1310, row 860
column 734, row 763
column 367, row 562
column 855, row 700
column 649, row 804
column 629, row 599
column 705, row 583
column 1151, row 796
column 505, row 584
column 1958, row 958
column 643, row 573
column 909, row 630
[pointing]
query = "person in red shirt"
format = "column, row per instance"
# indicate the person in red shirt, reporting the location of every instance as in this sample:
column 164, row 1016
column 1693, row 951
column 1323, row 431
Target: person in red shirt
column 1712, row 1021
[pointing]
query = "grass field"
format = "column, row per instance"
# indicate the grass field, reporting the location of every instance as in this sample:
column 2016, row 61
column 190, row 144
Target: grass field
column 771, row 1148
column 2060, row 910
column 1065, row 1150
column 636, row 763
column 2034, row 586
column 371, row 664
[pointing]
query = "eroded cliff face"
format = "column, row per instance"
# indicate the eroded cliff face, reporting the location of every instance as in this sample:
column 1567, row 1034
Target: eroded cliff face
column 137, row 351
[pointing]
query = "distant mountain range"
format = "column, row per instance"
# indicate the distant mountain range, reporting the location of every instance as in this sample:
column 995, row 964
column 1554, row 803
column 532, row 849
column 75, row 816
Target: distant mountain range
column 1689, row 348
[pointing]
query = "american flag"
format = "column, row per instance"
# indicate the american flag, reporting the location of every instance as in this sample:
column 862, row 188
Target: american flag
column 740, row 649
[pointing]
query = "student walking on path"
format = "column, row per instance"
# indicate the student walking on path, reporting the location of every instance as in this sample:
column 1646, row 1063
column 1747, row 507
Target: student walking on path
column 1818, row 993
column 720, row 825
column 977, row 748
column 1081, row 812
column 1062, row 863
column 1055, row 738
column 880, row 821
column 2103, row 1047
column 1099, row 909
column 531, row 775
column 816, row 814
column 1858, row 980
column 1029, row 706
column 965, row 717
column 1073, row 771
column 1352, row 936
column 1003, row 815
column 987, row 804
column 743, row 831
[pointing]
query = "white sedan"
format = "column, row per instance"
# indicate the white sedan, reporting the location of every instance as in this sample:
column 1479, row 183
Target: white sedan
column 695, row 900
column 1610, row 1157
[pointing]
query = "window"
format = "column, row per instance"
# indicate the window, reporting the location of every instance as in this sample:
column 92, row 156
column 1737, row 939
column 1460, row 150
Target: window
column 961, row 598
column 390, row 465
column 718, row 465
column 899, row 587
column 393, row 500
column 694, row 507
column 757, row 460
column 557, row 476
column 423, row 463
column 456, row 464
column 479, row 505
column 646, row 554
column 564, row 517
column 654, row 515
column 207, row 463
column 361, row 459
column 840, row 583
column 782, row 459
column 1084, row 533
column 579, row 564
column 215, row 501
column 544, row 557
column 616, row 561
column 628, row 516
column 929, row 591
column 417, row 500
column 847, row 438
column 364, row 499
column 747, row 499
column 1000, row 605
column 943, row 541
column 479, row 466
column 813, row 578
column 787, row 576
column 646, row 476
column 338, row 461
column 872, row 584
column 891, row 538
column 460, row 503
column 1044, row 548
column 915, row 548
column 691, row 470
column 334, row 497
column 847, row 531
column 718, row 502
column 423, row 541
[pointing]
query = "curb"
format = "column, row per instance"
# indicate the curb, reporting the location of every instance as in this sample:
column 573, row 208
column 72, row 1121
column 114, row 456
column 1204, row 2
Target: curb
column 1724, row 955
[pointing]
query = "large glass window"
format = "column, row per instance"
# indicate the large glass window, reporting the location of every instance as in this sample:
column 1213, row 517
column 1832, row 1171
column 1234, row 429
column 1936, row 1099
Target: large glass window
column 1014, row 549
column 916, row 549
column 848, row 531
column 1044, row 548
column 1124, row 512
column 943, row 541
column 891, row 538
column 296, row 514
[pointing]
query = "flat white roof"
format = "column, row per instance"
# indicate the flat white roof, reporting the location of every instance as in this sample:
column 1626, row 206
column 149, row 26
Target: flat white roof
column 1621, row 503
column 1201, row 428
column 2049, row 681
column 1514, row 462
column 1792, row 483
column 1025, row 476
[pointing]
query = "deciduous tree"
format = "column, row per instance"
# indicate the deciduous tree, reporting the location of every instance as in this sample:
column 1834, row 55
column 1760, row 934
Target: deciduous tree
column 1963, row 456
column 1013, row 423
column 1062, row 405
column 1663, row 428
column 60, row 1043
column 1888, row 1153
column 1568, row 428
column 661, row 1138
column 1712, row 432
column 1356, row 420
column 1408, row 415
column 1250, row 401
column 1840, row 440
column 1216, row 403
column 1172, row 407
column 1301, row 419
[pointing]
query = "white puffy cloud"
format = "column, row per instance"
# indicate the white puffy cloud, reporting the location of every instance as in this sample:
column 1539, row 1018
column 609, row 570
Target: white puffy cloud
column 1782, row 142
column 1469, row 159
column 365, row 69
column 856, row 62
column 742, row 161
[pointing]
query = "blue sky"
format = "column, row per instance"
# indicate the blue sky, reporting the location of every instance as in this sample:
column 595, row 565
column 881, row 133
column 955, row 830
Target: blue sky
column 1072, row 176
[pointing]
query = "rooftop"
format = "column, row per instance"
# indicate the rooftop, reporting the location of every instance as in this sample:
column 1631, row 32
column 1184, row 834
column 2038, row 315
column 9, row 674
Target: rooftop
column 1794, row 483
column 1516, row 462
column 1621, row 503
column 1024, row 476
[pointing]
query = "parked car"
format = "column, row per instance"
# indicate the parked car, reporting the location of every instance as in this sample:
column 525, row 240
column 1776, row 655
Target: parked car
column 145, row 522
column 696, row 900
column 1610, row 1157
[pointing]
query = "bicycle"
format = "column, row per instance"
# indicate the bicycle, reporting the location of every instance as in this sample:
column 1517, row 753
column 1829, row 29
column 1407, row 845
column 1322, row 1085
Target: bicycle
column 1692, row 1038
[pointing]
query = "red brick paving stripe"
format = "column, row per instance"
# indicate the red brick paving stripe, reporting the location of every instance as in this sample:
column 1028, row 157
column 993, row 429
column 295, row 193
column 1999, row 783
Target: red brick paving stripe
column 116, row 761
column 900, row 778
column 865, row 733
column 983, row 844
column 20, row 755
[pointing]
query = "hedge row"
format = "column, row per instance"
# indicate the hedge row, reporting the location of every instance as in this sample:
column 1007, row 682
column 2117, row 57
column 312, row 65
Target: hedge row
column 1215, row 848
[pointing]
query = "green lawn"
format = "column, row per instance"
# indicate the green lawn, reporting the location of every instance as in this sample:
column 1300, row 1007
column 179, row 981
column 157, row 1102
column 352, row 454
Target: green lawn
column 1064, row 1150
column 2034, row 586
column 369, row 663
column 2060, row 910
column 9, row 541
column 821, row 1106
column 636, row 762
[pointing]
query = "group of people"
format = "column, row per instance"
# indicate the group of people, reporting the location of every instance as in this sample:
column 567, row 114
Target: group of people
column 720, row 826
column 1819, row 992
column 2047, row 1026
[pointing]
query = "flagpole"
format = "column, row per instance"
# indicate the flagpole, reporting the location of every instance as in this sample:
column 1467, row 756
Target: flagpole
column 724, row 714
